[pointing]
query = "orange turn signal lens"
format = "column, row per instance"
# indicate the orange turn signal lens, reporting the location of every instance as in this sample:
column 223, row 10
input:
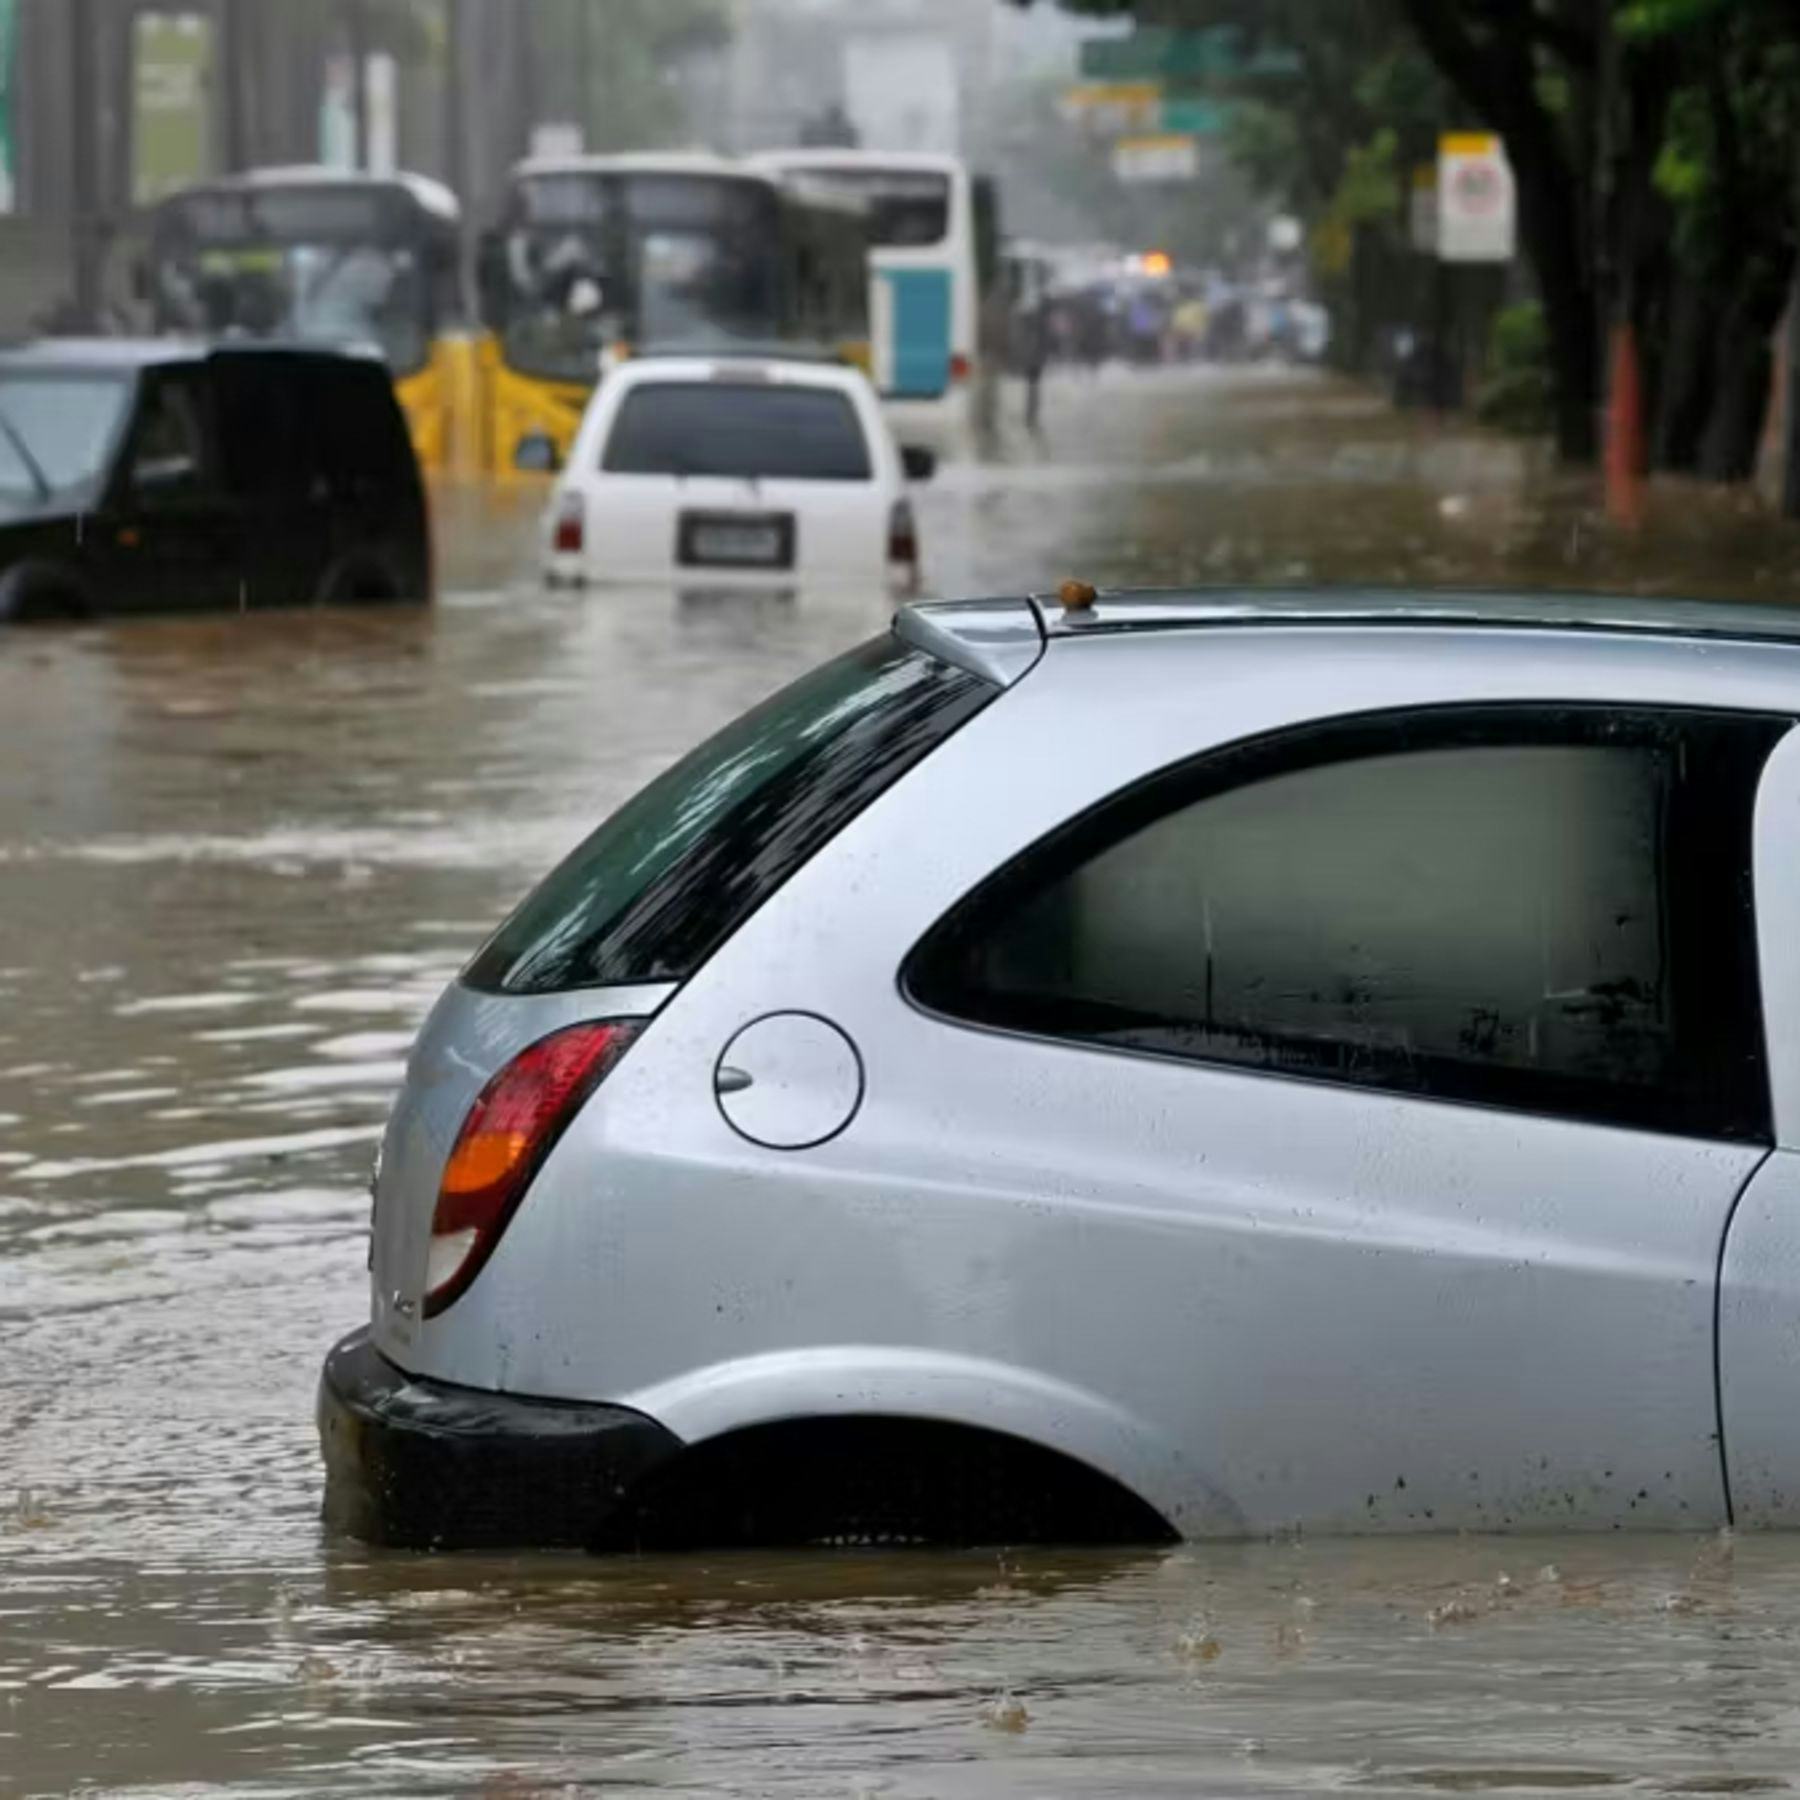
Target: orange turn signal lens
column 505, row 1137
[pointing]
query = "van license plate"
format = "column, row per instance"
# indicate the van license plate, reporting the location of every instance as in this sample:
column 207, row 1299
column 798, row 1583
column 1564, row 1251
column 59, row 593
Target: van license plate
column 737, row 543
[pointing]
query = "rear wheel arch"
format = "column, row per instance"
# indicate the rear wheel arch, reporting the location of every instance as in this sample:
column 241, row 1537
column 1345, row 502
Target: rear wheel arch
column 42, row 590
column 362, row 578
column 875, row 1479
column 818, row 1387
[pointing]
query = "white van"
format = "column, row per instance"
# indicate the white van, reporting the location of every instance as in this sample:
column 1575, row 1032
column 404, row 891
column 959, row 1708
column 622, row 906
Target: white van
column 752, row 468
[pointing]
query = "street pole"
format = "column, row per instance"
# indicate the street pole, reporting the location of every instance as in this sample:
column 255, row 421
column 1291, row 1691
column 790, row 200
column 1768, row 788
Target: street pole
column 1790, row 485
column 85, row 115
column 231, row 85
column 359, row 79
column 583, row 70
column 1624, row 453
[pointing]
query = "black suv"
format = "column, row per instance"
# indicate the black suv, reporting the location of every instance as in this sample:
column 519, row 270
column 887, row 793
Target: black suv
column 141, row 474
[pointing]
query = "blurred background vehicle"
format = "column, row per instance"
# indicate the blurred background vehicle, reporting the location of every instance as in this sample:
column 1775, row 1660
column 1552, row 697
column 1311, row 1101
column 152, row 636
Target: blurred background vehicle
column 933, row 233
column 148, row 474
column 603, row 258
column 691, row 469
column 318, row 255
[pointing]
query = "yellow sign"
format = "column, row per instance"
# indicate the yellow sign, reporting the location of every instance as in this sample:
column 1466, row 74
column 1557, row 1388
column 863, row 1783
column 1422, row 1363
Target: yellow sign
column 1115, row 93
column 1115, row 106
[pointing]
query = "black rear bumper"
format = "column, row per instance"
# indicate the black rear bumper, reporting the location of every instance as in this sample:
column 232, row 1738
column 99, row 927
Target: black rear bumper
column 426, row 1466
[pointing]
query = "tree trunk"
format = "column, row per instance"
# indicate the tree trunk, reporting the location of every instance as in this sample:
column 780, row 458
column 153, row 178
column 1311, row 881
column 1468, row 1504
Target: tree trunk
column 1500, row 82
column 1549, row 226
column 1746, row 366
column 1686, row 381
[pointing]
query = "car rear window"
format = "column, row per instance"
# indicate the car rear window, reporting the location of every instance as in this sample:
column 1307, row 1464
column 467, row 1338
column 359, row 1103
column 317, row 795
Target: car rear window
column 679, row 868
column 757, row 430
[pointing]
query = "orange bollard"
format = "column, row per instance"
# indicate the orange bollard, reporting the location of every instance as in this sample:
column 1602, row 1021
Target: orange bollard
column 1625, row 448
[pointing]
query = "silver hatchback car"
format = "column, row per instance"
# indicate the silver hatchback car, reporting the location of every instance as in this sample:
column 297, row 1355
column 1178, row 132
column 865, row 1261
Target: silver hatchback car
column 1183, row 1065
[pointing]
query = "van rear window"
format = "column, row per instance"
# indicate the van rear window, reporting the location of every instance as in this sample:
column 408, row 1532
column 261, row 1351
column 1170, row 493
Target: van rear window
column 675, row 871
column 756, row 430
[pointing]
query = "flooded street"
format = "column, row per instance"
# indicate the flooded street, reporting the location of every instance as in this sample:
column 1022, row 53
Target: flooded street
column 238, row 859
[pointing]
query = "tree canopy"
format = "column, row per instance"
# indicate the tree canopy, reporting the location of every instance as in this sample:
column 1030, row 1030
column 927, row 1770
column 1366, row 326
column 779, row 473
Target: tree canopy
column 1656, row 145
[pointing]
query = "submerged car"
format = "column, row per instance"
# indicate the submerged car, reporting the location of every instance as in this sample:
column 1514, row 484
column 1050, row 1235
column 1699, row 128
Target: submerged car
column 1356, row 1089
column 153, row 474
column 743, row 469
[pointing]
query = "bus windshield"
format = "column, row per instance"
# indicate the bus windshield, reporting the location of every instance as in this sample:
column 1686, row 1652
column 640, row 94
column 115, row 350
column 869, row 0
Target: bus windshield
column 909, row 209
column 323, row 266
column 598, row 259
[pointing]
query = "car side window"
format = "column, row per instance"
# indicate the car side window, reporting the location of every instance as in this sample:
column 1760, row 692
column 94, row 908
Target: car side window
column 168, row 454
column 1549, row 911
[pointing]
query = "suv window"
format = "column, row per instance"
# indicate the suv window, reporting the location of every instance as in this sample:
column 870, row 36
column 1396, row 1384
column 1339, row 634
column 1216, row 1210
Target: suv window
column 1547, row 911
column 758, row 430
column 59, row 426
column 168, row 457
column 677, row 869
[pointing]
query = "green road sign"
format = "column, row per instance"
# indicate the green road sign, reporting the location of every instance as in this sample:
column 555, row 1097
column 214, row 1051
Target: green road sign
column 1157, row 53
column 1197, row 118
column 9, row 62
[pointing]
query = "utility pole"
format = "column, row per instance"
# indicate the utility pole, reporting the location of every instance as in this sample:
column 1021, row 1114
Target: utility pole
column 359, row 79
column 583, row 70
column 1790, row 481
column 84, row 167
column 232, row 61
column 458, row 164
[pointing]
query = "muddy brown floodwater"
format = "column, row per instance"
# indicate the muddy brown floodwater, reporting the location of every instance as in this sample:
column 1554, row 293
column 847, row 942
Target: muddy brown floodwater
column 237, row 859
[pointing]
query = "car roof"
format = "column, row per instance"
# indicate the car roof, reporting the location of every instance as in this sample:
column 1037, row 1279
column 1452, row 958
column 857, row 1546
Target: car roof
column 1002, row 639
column 923, row 162
column 643, row 162
column 100, row 353
column 126, row 354
column 429, row 193
column 731, row 368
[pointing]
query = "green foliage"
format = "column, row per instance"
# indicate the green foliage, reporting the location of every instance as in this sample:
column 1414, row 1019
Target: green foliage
column 1519, row 392
column 1659, row 18
column 1264, row 142
column 625, row 48
column 1519, row 339
column 1369, row 189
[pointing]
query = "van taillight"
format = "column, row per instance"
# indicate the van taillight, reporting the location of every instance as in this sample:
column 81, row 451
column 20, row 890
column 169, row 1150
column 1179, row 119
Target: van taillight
column 903, row 536
column 513, row 1125
column 571, row 525
column 960, row 367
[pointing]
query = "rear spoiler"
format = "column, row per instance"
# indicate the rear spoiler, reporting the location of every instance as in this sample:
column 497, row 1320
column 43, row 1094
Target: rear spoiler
column 998, row 640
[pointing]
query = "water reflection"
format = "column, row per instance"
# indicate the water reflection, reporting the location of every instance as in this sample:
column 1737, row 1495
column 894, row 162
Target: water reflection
column 238, row 857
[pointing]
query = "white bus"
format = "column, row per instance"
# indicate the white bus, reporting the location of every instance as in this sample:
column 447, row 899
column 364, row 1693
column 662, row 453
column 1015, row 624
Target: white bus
column 932, row 240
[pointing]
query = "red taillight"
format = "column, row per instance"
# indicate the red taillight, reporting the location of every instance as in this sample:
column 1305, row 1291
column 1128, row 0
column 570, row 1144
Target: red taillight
column 960, row 367
column 571, row 525
column 903, row 536
column 511, row 1128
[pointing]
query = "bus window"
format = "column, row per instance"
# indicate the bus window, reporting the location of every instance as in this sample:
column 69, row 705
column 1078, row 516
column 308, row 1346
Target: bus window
column 320, row 264
column 909, row 209
column 647, row 259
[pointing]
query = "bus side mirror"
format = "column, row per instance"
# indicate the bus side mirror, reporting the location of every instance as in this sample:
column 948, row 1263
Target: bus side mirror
column 535, row 454
column 919, row 463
